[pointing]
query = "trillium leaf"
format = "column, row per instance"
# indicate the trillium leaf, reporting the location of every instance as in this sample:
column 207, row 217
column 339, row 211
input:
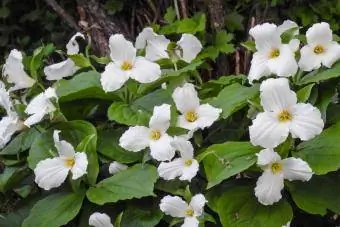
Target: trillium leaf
column 222, row 161
column 10, row 177
column 55, row 210
column 304, row 93
column 128, row 114
column 322, row 76
column 136, row 182
column 80, row 60
column 318, row 195
column 237, row 205
column 233, row 98
column 323, row 152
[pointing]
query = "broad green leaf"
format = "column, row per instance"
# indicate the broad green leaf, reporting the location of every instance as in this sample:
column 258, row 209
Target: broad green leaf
column 237, row 205
column 318, row 195
column 187, row 25
column 135, row 182
column 175, row 187
column 80, row 60
column 222, row 161
column 55, row 210
column 304, row 93
column 108, row 145
column 128, row 114
column 233, row 98
column 249, row 45
column 323, row 152
column 322, row 76
column 12, row 176
column 156, row 98
column 101, row 60
column 325, row 96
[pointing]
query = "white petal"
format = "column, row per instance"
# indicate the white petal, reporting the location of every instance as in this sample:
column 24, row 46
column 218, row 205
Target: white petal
column 50, row 93
column 306, row 122
column 100, row 220
column 190, row 172
column 183, row 123
column 184, row 146
column 145, row 35
column 173, row 206
column 267, row 132
column 296, row 169
column 156, row 48
column 116, row 167
column 60, row 70
column 161, row 150
column 285, row 64
column 15, row 73
column 51, row 173
column 113, row 77
column 309, row 60
column 72, row 46
column 266, row 36
column 64, row 148
column 41, row 103
column 160, row 119
column 267, row 156
column 286, row 25
column 171, row 170
column 207, row 115
column 276, row 95
column 268, row 187
column 186, row 98
column 197, row 203
column 319, row 33
column 191, row 46
column 258, row 67
column 145, row 71
column 5, row 100
column 135, row 138
column 34, row 119
column 331, row 55
column 8, row 126
column 121, row 49
column 80, row 165
column 190, row 222
column 294, row 45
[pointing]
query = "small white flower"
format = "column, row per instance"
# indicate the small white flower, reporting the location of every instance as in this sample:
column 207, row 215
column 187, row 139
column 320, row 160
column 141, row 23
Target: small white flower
column 194, row 115
column 320, row 48
column 14, row 71
column 125, row 64
column 283, row 115
column 100, row 220
column 272, row 57
column 65, row 68
column 52, row 172
column 143, row 37
column 271, row 182
column 116, row 167
column 138, row 138
column 287, row 225
column 187, row 48
column 176, row 207
column 40, row 106
column 185, row 167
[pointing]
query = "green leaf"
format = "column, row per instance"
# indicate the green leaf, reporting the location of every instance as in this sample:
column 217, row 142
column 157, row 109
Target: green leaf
column 325, row 96
column 4, row 12
column 323, row 152
column 221, row 42
column 128, row 114
column 108, row 145
column 135, row 182
column 80, row 60
column 318, row 195
column 55, row 210
column 324, row 75
column 304, row 93
column 249, row 45
column 101, row 60
column 234, row 21
column 12, row 176
column 222, row 161
column 156, row 98
column 187, row 25
column 237, row 205
column 170, row 15
column 233, row 98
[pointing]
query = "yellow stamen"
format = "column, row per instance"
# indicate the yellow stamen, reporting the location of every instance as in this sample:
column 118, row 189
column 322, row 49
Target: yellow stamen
column 188, row 162
column 126, row 65
column 276, row 167
column 318, row 49
column 189, row 212
column 274, row 53
column 155, row 134
column 284, row 116
column 69, row 162
column 191, row 116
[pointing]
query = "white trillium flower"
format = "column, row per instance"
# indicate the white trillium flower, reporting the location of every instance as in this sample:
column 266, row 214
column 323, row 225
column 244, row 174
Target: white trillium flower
column 272, row 57
column 194, row 115
column 143, row 37
column 320, row 48
column 271, row 182
column 116, row 167
column 14, row 71
column 65, row 68
column 283, row 115
column 138, row 138
column 177, row 207
column 52, row 172
column 125, row 64
column 100, row 220
column 185, row 167
column 40, row 106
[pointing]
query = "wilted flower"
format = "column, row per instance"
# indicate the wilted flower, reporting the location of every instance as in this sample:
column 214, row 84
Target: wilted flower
column 100, row 220
column 271, row 182
column 116, row 167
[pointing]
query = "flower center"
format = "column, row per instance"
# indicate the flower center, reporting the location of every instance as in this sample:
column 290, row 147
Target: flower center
column 191, row 116
column 189, row 212
column 318, row 49
column 188, row 162
column 69, row 162
column 284, row 116
column 126, row 65
column 155, row 134
column 276, row 167
column 274, row 53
